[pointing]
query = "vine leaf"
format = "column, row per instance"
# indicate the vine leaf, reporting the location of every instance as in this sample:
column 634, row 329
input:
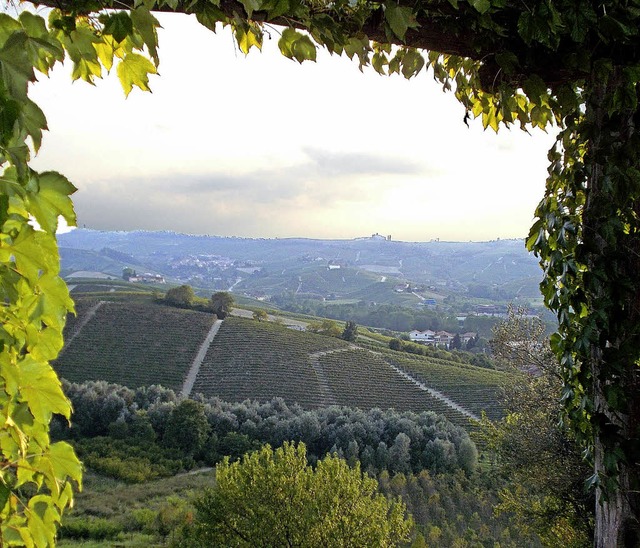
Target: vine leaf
column 42, row 389
column 400, row 19
column 134, row 70
column 51, row 200
column 146, row 24
column 296, row 45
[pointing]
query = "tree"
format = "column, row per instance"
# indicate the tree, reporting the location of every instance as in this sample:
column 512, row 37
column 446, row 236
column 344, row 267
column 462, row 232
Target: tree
column 324, row 327
column 187, row 427
column 538, row 456
column 274, row 498
column 222, row 304
column 395, row 344
column 456, row 343
column 182, row 295
column 350, row 332
column 260, row 315
column 571, row 64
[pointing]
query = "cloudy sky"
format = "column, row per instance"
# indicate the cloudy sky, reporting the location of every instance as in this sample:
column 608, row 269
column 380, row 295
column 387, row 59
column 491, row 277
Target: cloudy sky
column 263, row 147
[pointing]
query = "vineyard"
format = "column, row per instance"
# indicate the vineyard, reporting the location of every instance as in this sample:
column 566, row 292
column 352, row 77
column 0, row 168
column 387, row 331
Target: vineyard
column 133, row 344
column 474, row 388
column 138, row 344
column 360, row 378
column 259, row 360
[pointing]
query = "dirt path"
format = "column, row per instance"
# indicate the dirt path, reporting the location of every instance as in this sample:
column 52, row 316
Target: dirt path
column 432, row 391
column 189, row 381
column 435, row 393
column 84, row 321
column 326, row 393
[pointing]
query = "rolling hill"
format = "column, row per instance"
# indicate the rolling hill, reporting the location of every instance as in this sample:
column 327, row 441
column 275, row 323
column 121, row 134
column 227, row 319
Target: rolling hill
column 135, row 343
column 499, row 270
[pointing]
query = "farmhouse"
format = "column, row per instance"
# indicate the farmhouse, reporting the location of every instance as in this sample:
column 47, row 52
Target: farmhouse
column 147, row 278
column 433, row 338
column 466, row 337
column 426, row 337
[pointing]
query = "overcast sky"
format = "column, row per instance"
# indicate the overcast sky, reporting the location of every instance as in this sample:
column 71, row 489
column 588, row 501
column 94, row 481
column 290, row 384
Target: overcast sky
column 264, row 147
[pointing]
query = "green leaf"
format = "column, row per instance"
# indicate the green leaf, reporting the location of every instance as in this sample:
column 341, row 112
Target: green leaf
column 65, row 462
column 105, row 52
column 247, row 37
column 146, row 24
column 15, row 67
column 295, row 45
column 49, row 198
column 80, row 45
column 34, row 253
column 400, row 19
column 34, row 122
column 86, row 69
column 42, row 391
column 250, row 6
column 8, row 25
column 276, row 8
column 119, row 25
column 535, row 89
column 34, row 25
column 4, row 496
column 209, row 16
column 379, row 61
column 42, row 519
column 481, row 6
column 508, row 61
column 9, row 114
column 43, row 49
column 134, row 70
column 412, row 63
column 526, row 27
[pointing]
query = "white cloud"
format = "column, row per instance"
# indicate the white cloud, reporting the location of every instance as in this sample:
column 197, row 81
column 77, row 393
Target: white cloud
column 261, row 146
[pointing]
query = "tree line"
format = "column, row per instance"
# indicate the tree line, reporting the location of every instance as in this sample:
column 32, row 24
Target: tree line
column 183, row 296
column 207, row 429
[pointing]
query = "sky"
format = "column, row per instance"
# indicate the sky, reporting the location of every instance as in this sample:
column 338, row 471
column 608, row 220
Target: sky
column 261, row 146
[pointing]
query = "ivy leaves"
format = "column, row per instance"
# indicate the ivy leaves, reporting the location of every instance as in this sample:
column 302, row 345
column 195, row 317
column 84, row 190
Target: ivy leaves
column 296, row 45
column 121, row 39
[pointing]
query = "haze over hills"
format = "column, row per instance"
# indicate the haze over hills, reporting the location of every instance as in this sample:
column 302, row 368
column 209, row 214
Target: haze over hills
column 371, row 268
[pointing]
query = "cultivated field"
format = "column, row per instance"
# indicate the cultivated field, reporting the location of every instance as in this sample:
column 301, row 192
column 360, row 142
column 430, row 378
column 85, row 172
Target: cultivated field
column 139, row 344
column 134, row 344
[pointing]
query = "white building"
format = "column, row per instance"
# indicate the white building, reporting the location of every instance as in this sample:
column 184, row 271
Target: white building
column 425, row 337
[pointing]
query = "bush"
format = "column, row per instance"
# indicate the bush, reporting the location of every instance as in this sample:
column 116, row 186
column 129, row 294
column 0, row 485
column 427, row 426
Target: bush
column 89, row 529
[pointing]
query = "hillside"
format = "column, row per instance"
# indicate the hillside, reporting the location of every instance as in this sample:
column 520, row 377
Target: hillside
column 499, row 270
column 138, row 344
column 131, row 344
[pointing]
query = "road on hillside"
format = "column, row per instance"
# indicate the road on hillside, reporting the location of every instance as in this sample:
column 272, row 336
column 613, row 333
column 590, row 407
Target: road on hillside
column 244, row 313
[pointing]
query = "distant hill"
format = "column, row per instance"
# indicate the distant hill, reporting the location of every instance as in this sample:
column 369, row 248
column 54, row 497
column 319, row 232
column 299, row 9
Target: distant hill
column 332, row 269
column 136, row 344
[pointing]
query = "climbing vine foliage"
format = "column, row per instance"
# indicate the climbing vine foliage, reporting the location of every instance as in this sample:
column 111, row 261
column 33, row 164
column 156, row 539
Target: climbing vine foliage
column 570, row 63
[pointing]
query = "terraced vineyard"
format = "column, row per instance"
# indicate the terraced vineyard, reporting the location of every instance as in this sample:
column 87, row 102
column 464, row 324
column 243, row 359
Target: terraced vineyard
column 260, row 360
column 134, row 344
column 475, row 388
column 360, row 378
